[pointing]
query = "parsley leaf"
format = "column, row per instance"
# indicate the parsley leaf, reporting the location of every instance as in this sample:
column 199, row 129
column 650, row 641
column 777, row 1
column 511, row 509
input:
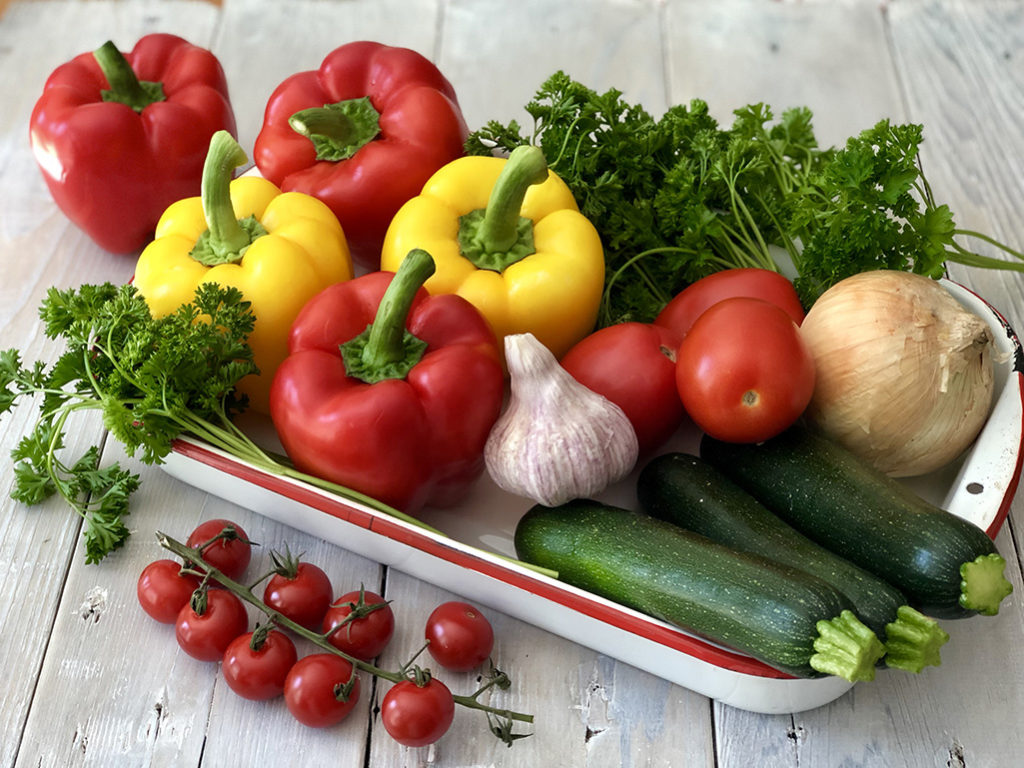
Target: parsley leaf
column 152, row 380
column 678, row 197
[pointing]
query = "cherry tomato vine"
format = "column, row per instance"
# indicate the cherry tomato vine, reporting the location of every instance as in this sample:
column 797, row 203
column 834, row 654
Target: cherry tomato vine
column 501, row 721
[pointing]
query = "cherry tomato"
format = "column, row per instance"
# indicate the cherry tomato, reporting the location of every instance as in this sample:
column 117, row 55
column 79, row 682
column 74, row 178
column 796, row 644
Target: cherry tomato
column 417, row 715
column 303, row 597
column 690, row 303
column 744, row 374
column 634, row 366
column 460, row 637
column 231, row 554
column 258, row 673
column 205, row 636
column 321, row 689
column 368, row 633
column 163, row 589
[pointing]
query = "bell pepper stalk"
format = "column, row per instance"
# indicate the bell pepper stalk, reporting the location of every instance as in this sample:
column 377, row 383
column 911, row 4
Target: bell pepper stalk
column 389, row 390
column 507, row 235
column 362, row 133
column 119, row 137
column 279, row 249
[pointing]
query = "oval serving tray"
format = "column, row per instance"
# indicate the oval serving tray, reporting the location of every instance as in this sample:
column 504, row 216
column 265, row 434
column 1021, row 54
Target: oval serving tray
column 472, row 560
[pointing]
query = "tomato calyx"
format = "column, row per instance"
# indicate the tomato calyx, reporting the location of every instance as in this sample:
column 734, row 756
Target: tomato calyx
column 358, row 609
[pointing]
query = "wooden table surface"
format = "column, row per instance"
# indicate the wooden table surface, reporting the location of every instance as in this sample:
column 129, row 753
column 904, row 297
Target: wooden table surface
column 89, row 680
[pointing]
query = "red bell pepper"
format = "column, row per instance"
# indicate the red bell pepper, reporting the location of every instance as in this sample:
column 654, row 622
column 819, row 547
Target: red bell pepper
column 119, row 137
column 401, row 410
column 363, row 133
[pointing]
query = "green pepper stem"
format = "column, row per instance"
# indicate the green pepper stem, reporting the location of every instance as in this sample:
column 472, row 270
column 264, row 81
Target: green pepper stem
column 386, row 350
column 125, row 86
column 525, row 167
column 338, row 131
column 226, row 237
column 321, row 121
column 224, row 156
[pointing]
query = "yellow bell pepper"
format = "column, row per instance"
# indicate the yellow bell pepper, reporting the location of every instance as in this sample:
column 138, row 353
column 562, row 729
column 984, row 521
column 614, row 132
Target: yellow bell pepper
column 278, row 249
column 507, row 236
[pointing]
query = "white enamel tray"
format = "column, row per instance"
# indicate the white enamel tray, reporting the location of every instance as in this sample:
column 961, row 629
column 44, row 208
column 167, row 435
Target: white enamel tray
column 472, row 560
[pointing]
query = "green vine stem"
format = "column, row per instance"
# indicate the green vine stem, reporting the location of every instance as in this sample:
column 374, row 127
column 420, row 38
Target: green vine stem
column 193, row 555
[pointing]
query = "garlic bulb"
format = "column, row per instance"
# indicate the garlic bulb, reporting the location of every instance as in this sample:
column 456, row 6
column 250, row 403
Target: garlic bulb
column 556, row 440
column 904, row 371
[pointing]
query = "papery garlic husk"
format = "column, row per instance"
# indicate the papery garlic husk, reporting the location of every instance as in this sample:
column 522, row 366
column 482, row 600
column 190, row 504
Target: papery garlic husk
column 557, row 440
column 904, row 371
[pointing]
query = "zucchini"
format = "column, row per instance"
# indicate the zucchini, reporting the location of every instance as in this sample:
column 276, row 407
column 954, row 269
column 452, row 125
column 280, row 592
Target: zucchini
column 946, row 566
column 687, row 491
column 786, row 618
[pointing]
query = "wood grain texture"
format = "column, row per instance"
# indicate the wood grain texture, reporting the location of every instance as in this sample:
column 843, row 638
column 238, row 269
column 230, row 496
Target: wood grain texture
column 91, row 681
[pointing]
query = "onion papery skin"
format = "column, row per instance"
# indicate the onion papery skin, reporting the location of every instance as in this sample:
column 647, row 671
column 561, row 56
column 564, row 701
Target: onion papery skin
column 904, row 371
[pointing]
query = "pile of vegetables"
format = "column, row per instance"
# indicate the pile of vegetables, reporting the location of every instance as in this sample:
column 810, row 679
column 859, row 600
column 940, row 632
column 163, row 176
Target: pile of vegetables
column 620, row 275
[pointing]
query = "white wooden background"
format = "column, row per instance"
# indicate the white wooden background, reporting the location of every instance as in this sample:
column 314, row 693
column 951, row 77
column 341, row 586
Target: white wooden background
column 88, row 680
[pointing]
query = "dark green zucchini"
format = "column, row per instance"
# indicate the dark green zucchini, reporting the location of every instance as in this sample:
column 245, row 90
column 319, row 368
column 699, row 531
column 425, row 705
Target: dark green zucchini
column 786, row 618
column 946, row 566
column 687, row 491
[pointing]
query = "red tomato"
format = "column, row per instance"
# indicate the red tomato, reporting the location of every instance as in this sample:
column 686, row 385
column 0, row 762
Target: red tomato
column 690, row 303
column 417, row 715
column 163, row 589
column 230, row 554
column 744, row 374
column 460, row 637
column 207, row 635
column 259, row 673
column 368, row 632
column 321, row 689
column 303, row 598
column 633, row 365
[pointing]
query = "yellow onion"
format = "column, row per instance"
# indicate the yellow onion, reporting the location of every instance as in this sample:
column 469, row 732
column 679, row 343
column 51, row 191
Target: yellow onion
column 904, row 371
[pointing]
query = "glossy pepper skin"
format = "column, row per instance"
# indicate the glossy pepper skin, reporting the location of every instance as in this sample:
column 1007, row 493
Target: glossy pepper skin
column 391, row 120
column 402, row 417
column 113, row 168
column 508, row 237
column 279, row 249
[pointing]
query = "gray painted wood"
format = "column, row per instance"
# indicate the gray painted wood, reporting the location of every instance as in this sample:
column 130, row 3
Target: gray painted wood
column 89, row 680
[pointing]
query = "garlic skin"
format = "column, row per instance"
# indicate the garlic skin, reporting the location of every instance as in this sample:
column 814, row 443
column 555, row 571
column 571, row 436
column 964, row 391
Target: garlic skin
column 904, row 371
column 556, row 440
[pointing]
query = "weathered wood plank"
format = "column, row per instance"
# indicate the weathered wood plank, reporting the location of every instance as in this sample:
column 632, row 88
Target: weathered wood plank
column 830, row 56
column 590, row 710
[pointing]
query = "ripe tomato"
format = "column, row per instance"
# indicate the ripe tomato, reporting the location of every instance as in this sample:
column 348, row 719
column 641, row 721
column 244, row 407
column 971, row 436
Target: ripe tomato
column 259, row 673
column 302, row 597
column 417, row 715
column 633, row 365
column 321, row 689
column 460, row 637
column 744, row 374
column 230, row 554
column 205, row 636
column 690, row 303
column 163, row 589
column 367, row 633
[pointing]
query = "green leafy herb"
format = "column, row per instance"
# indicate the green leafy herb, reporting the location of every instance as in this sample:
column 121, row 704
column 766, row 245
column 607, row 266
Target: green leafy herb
column 679, row 197
column 152, row 379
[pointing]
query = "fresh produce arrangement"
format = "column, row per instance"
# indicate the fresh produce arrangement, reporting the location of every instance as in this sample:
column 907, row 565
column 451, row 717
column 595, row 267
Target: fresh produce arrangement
column 549, row 310
column 207, row 607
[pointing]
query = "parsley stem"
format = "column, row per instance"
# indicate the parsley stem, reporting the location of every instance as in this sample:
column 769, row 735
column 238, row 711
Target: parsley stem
column 991, row 241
